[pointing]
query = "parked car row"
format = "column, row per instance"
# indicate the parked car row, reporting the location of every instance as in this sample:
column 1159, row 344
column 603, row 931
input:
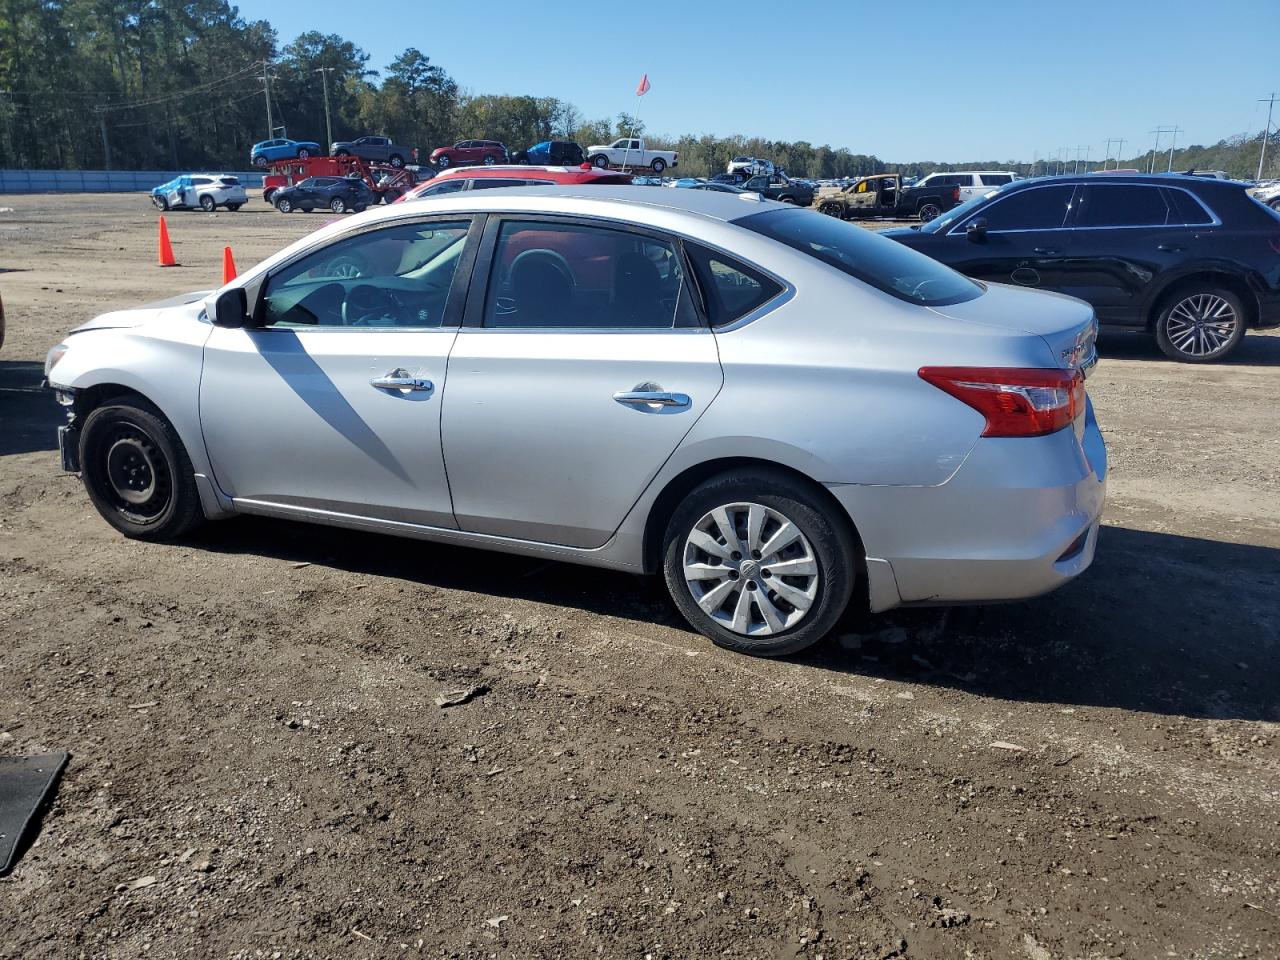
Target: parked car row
column 373, row 149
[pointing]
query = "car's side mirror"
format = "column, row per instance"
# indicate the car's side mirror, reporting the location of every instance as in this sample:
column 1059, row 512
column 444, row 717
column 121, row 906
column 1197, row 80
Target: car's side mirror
column 230, row 308
column 976, row 231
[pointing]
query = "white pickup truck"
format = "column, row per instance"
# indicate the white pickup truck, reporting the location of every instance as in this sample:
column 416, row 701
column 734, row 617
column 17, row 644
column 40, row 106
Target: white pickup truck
column 631, row 153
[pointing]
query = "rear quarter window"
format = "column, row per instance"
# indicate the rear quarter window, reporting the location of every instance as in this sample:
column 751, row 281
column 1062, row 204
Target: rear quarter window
column 882, row 263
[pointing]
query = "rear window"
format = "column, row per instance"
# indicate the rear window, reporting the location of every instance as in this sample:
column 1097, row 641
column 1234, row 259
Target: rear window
column 1187, row 210
column 230, row 181
column 996, row 179
column 730, row 288
column 878, row 261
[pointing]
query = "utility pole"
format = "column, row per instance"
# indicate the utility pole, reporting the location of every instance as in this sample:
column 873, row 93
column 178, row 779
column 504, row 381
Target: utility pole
column 1119, row 151
column 266, row 87
column 1175, row 131
column 106, row 144
column 1266, row 135
column 328, row 122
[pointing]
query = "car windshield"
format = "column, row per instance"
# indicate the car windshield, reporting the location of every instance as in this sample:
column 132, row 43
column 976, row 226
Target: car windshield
column 956, row 214
column 878, row 261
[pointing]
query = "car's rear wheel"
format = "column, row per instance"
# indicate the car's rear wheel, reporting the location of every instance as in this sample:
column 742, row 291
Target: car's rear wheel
column 233, row 207
column 1200, row 324
column 929, row 211
column 1275, row 204
column 755, row 561
column 658, row 165
column 490, row 159
column 284, row 205
column 208, row 204
column 137, row 472
column 161, row 203
column 338, row 205
column 396, row 160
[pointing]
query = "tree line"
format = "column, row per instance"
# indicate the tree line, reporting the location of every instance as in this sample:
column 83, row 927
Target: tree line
column 183, row 84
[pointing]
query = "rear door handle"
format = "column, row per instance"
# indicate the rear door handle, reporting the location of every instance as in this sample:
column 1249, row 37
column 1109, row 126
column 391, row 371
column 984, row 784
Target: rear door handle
column 1046, row 251
column 652, row 398
column 1169, row 248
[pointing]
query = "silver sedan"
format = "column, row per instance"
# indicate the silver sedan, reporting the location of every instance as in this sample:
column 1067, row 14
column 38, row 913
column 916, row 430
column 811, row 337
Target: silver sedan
column 776, row 410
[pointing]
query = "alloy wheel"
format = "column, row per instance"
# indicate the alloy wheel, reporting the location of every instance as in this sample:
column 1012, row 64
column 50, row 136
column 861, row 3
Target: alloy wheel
column 1201, row 325
column 750, row 569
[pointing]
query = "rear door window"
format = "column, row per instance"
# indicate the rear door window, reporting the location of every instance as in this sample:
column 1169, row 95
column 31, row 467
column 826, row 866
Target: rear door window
column 1129, row 205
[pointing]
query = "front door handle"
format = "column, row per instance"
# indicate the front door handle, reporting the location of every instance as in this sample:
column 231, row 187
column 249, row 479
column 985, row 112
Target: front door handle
column 1169, row 248
column 1045, row 251
column 652, row 398
column 400, row 380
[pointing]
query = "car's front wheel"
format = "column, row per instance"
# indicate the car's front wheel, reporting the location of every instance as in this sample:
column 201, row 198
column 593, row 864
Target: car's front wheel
column 260, row 161
column 303, row 153
column 284, row 205
column 1200, row 324
column 137, row 472
column 490, row 159
column 756, row 561
column 161, row 203
column 396, row 160
column 442, row 161
column 929, row 211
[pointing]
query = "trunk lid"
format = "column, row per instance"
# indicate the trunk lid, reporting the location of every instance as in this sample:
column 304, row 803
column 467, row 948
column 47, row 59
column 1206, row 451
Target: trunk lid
column 1066, row 324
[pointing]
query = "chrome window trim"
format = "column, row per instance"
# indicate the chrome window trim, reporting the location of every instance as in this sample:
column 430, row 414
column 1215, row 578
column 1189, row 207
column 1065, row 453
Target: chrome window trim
column 1215, row 220
column 959, row 229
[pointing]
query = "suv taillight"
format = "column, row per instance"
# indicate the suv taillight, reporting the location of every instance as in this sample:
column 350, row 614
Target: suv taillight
column 1017, row 401
column 955, row 194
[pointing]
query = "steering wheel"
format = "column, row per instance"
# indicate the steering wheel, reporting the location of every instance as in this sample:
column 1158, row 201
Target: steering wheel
column 370, row 306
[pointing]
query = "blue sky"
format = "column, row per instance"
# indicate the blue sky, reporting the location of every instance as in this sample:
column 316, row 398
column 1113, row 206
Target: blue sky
column 905, row 81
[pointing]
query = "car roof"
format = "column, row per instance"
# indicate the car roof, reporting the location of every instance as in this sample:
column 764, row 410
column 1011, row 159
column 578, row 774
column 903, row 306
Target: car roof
column 508, row 169
column 1151, row 179
column 628, row 202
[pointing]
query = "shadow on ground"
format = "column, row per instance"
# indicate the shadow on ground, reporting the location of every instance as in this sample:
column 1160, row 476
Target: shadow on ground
column 29, row 416
column 1160, row 623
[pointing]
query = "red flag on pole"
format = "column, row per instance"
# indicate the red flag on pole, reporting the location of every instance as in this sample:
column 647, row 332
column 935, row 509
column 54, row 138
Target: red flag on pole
column 644, row 86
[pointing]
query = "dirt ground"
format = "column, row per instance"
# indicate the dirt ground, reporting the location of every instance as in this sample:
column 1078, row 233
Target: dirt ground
column 260, row 768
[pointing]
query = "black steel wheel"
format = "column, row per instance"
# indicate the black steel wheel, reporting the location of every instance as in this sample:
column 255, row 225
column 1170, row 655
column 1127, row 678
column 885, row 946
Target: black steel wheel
column 137, row 472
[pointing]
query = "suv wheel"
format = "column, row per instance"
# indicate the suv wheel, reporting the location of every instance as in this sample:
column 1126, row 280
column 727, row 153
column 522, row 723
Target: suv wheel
column 658, row 165
column 929, row 211
column 137, row 472
column 755, row 562
column 260, row 161
column 396, row 160
column 832, row 210
column 338, row 205
column 342, row 153
column 161, row 203
column 1200, row 324
column 284, row 205
column 208, row 204
column 490, row 159
column 442, row 161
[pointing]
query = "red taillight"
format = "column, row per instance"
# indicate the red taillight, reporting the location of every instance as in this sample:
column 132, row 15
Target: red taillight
column 1017, row 402
column 955, row 194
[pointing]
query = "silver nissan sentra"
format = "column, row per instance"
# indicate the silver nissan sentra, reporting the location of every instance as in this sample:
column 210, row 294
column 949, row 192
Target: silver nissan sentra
column 769, row 406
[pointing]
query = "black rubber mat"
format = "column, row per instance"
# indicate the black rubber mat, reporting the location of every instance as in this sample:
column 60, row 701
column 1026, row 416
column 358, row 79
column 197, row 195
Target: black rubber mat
column 25, row 784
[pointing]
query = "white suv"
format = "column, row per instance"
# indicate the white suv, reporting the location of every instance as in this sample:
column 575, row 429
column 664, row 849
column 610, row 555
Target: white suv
column 205, row 190
column 972, row 183
column 748, row 167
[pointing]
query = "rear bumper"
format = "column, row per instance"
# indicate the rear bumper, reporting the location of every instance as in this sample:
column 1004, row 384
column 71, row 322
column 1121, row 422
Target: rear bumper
column 1018, row 519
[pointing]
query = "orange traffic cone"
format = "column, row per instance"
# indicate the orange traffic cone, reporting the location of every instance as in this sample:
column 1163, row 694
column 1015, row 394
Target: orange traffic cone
column 166, row 248
column 228, row 266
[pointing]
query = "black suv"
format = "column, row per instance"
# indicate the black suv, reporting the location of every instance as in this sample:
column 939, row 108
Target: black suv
column 1193, row 261
column 338, row 194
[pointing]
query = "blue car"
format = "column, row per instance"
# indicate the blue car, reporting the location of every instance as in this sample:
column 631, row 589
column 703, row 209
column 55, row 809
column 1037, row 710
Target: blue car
column 271, row 151
column 551, row 153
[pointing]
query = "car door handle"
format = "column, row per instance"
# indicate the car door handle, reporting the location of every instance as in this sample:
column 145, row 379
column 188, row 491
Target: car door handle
column 1169, row 248
column 652, row 398
column 1046, row 251
column 396, row 381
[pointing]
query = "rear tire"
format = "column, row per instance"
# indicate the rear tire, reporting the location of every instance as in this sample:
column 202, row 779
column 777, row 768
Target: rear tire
column 929, row 211
column 137, row 472
column 832, row 210
column 600, row 161
column 823, row 556
column 1200, row 323
column 1275, row 204
column 658, row 166
column 396, row 160
column 233, row 207
column 490, row 159
column 208, row 204
column 338, row 205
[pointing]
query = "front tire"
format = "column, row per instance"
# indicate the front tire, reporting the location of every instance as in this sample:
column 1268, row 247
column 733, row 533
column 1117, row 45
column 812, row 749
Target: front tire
column 137, row 472
column 396, row 160
column 929, row 211
column 1200, row 324
column 303, row 153
column 261, row 162
column 755, row 561
column 490, row 159
column 284, row 205
column 161, row 203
